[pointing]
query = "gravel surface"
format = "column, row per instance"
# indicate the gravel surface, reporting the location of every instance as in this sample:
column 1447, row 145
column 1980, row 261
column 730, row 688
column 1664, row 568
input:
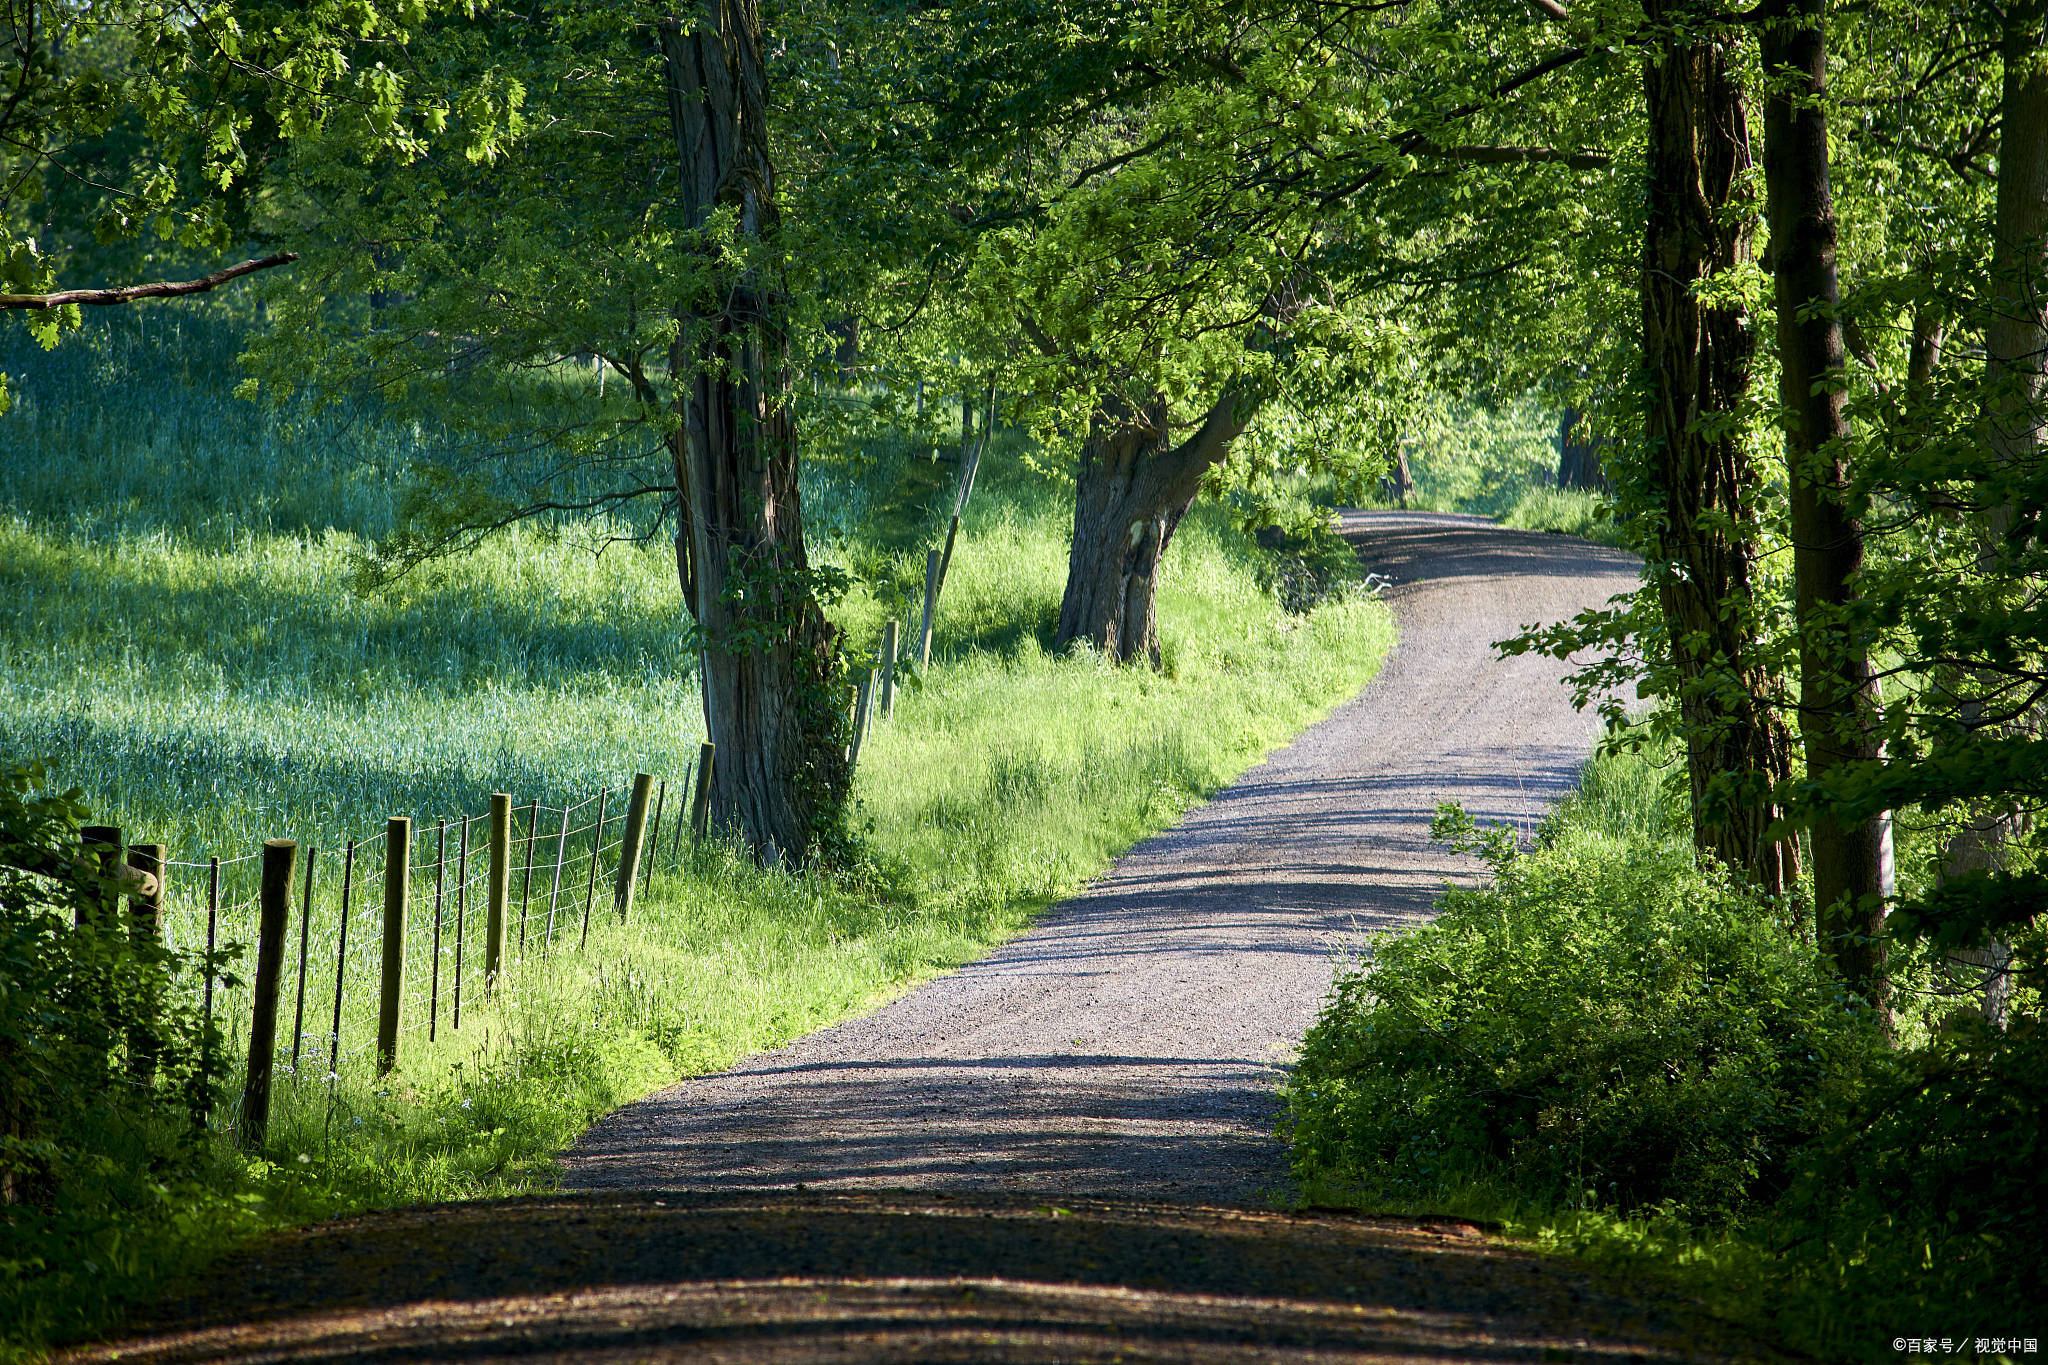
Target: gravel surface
column 1131, row 1043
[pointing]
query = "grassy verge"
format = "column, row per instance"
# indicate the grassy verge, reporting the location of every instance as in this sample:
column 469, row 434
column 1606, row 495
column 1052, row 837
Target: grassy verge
column 178, row 637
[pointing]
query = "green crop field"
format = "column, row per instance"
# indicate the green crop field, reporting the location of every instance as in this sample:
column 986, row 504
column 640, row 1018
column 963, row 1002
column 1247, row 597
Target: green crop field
column 180, row 637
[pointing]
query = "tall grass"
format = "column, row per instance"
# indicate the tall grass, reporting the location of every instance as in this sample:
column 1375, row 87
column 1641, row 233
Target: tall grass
column 180, row 638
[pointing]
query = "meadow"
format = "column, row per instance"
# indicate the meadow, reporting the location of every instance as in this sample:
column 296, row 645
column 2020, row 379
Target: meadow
column 182, row 638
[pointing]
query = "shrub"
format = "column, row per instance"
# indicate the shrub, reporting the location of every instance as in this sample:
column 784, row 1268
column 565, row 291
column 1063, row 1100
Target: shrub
column 1602, row 1026
column 1923, row 1199
column 98, row 1074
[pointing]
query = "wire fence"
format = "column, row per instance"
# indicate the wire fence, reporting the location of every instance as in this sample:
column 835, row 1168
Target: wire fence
column 389, row 941
column 380, row 946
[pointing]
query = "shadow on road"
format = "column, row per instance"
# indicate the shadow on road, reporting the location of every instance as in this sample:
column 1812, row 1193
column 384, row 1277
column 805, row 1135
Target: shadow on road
column 789, row 1277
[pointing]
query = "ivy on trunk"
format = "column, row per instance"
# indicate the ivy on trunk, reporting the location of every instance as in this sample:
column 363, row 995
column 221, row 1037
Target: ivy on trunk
column 1698, row 350
column 772, row 664
column 1837, row 689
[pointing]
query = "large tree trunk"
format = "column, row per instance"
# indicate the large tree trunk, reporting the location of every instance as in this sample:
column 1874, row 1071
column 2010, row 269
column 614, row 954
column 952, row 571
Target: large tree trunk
column 1130, row 493
column 771, row 660
column 1578, row 457
column 1852, row 874
column 1697, row 356
column 2015, row 349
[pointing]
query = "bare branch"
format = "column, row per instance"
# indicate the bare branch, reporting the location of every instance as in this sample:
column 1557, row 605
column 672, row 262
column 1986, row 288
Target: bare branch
column 162, row 289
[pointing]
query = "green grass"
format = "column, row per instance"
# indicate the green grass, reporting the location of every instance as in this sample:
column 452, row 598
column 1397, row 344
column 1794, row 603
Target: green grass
column 179, row 637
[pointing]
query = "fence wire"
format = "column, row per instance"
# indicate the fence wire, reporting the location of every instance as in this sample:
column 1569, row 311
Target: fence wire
column 564, row 867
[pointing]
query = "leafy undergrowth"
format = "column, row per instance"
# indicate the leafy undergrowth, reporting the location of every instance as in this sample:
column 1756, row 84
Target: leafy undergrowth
column 180, row 637
column 1617, row 1056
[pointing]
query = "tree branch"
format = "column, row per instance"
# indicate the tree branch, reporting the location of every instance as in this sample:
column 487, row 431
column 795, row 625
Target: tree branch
column 162, row 289
column 1510, row 156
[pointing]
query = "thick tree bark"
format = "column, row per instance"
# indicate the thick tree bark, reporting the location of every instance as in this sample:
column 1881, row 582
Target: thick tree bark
column 771, row 660
column 1130, row 493
column 1697, row 355
column 1923, row 355
column 1852, row 872
column 2015, row 350
column 1401, row 479
column 1578, row 459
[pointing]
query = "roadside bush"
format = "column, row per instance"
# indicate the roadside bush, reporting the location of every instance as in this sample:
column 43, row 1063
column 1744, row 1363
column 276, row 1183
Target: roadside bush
column 1602, row 1026
column 1923, row 1201
column 98, row 1074
column 1306, row 568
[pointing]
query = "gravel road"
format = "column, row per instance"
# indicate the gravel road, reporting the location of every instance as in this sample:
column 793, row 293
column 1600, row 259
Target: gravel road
column 920, row 1184
column 1131, row 1043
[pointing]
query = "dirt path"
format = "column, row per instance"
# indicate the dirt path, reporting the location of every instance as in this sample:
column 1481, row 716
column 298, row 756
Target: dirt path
column 1060, row 1153
column 1131, row 1043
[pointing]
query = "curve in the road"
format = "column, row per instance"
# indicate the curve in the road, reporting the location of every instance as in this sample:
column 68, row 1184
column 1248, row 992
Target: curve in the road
column 1131, row 1043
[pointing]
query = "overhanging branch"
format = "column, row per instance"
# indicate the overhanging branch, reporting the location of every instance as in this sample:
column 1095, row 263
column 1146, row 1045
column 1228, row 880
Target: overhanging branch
column 162, row 289
column 1515, row 156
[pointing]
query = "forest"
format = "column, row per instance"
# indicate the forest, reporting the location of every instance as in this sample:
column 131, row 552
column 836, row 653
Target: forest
column 551, row 550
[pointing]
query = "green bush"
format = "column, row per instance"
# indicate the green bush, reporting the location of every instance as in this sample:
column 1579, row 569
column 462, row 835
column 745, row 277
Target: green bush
column 1923, row 1200
column 99, row 1074
column 1603, row 1026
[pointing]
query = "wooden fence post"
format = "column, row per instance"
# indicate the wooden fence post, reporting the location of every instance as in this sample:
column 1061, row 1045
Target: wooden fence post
column 888, row 669
column 274, row 910
column 145, row 922
column 700, row 808
column 931, row 605
column 500, row 892
column 654, row 836
column 105, row 842
column 860, row 719
column 630, row 841
column 397, row 886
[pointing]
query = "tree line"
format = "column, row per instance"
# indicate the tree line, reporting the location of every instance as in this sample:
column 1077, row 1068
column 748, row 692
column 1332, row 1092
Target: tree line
column 1784, row 262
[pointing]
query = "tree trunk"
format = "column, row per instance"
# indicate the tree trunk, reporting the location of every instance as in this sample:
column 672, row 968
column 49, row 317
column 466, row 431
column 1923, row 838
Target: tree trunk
column 846, row 355
column 1130, row 493
column 1924, row 354
column 771, row 660
column 1578, row 460
column 1697, row 357
column 1852, row 872
column 2015, row 339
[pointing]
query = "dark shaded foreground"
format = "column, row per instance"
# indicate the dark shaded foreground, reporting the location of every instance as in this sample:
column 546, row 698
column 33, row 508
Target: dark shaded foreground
column 900, row 1276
